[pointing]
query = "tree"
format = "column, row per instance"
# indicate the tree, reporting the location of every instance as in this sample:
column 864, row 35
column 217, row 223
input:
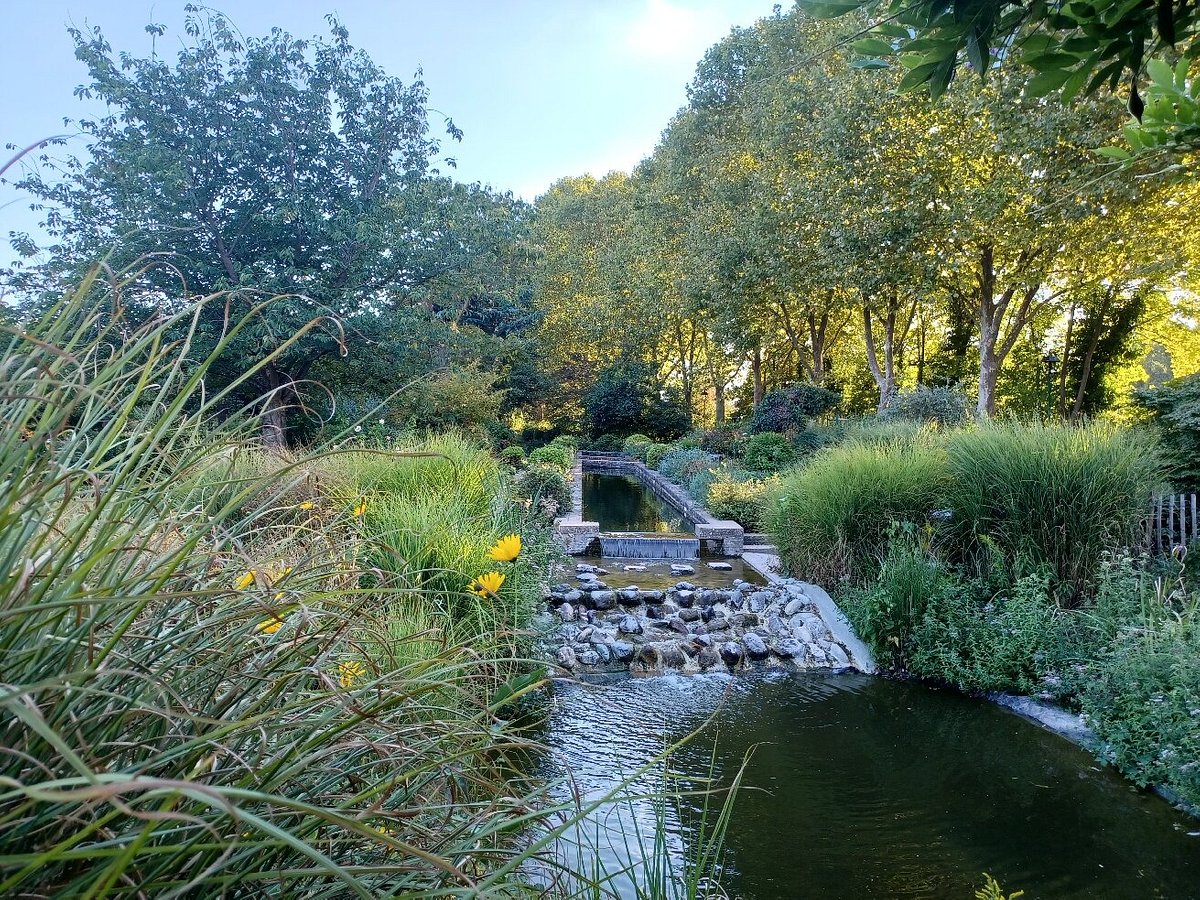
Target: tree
column 261, row 167
column 627, row 399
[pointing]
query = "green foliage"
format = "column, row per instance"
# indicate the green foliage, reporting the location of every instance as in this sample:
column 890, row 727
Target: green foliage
column 768, row 453
column 1176, row 410
column 513, row 455
column 831, row 518
column 636, row 446
column 627, row 399
column 1046, row 496
column 723, row 441
column 465, row 398
column 681, row 465
column 606, row 443
column 740, row 499
column 566, row 440
column 547, row 490
column 791, row 408
column 992, row 890
column 940, row 406
column 558, row 456
column 655, row 453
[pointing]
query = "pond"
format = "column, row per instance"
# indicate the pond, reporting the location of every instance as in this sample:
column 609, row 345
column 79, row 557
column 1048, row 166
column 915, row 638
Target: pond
column 861, row 787
column 622, row 503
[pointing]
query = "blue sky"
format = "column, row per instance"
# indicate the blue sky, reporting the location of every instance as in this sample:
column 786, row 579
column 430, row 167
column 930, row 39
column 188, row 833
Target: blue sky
column 542, row 88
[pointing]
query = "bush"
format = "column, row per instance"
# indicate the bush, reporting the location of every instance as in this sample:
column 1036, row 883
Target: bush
column 1049, row 496
column 789, row 409
column 655, row 453
column 606, row 443
column 555, row 455
column 941, row 406
column 699, row 482
column 628, row 399
column 513, row 455
column 1176, row 410
column 769, row 453
column 831, row 518
column 725, row 441
column 547, row 489
column 636, row 446
column 739, row 500
column 569, row 441
column 681, row 465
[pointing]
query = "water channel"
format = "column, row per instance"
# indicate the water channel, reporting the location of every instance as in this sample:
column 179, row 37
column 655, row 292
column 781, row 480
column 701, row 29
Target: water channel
column 856, row 786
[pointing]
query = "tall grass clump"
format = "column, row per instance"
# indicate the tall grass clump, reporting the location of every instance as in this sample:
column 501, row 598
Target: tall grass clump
column 207, row 691
column 1050, row 496
column 831, row 517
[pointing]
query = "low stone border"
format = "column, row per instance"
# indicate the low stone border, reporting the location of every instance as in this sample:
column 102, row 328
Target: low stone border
column 572, row 532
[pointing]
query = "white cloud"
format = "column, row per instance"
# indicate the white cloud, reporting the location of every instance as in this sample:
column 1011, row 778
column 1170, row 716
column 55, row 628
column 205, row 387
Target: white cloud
column 673, row 32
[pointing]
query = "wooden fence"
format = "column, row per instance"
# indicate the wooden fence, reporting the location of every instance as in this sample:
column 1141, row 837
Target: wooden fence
column 1173, row 521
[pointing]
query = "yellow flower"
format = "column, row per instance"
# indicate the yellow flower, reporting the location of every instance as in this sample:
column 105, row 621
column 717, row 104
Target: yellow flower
column 488, row 583
column 360, row 509
column 350, row 672
column 269, row 626
column 307, row 504
column 506, row 549
column 245, row 581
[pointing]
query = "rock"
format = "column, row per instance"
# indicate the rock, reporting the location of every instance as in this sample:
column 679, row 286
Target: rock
column 629, row 625
column 721, row 566
column 702, row 640
column 600, row 571
column 572, row 596
column 801, row 633
column 682, row 569
column 759, row 600
column 584, row 568
column 756, row 648
column 737, row 582
column 630, row 596
column 837, row 655
column 717, row 623
column 604, row 599
column 775, row 625
column 685, row 586
column 654, row 611
column 731, row 653
column 816, row 626
column 789, row 648
column 744, row 619
column 589, row 658
column 661, row 655
column 621, row 651
column 603, row 653
column 817, row 655
column 585, row 633
column 596, row 585
column 560, row 589
column 566, row 612
column 677, row 624
column 708, row 658
column 794, row 606
column 587, row 576
column 634, row 568
column 685, row 598
column 690, row 615
column 736, row 600
column 566, row 657
column 720, row 596
column 652, row 596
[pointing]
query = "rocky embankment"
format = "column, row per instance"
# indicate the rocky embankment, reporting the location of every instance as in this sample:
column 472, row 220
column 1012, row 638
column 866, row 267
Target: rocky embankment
column 594, row 628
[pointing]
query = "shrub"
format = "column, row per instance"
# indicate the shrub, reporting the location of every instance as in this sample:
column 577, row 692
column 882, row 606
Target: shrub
column 627, row 398
column 1049, row 495
column 941, row 406
column 636, row 446
column 606, row 443
column 513, row 455
column 699, row 483
column 546, row 488
column 681, row 465
column 655, row 453
column 740, row 500
column 569, row 441
column 555, row 455
column 769, row 453
column 831, row 518
column 789, row 409
column 1176, row 410
column 725, row 441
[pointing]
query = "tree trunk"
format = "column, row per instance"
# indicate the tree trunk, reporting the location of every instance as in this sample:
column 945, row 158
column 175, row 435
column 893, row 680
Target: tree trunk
column 756, row 371
column 719, row 404
column 274, row 417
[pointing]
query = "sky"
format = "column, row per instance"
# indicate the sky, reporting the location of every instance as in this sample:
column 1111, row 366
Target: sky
column 541, row 88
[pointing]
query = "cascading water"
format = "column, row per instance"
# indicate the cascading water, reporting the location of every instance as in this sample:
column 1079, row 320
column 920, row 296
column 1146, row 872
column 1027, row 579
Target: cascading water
column 649, row 546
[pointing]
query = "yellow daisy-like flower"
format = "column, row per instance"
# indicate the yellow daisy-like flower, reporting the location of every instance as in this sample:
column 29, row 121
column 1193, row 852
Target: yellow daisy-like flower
column 245, row 581
column 307, row 504
column 506, row 549
column 360, row 509
column 488, row 583
column 269, row 626
column 350, row 672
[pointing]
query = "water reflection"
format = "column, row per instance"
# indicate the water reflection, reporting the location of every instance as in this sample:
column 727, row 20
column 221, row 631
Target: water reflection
column 860, row 787
column 622, row 503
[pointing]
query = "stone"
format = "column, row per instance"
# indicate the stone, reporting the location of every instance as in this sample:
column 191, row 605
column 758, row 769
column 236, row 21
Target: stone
column 622, row 651
column 677, row 624
column 801, row 633
column 737, row 600
column 634, row 568
column 566, row 612
column 690, row 615
column 759, row 600
column 775, row 625
column 630, row 596
column 731, row 653
column 789, row 648
column 603, row 653
column 816, row 626
column 572, row 596
column 717, row 623
column 654, row 611
column 685, row 598
column 682, row 569
column 603, row 600
column 756, row 647
column 721, row 566
column 744, row 619
column 708, row 658
column 566, row 657
column 587, row 576
column 600, row 571
column 589, row 658
column 737, row 582
column 560, row 589
column 793, row 606
column 684, row 585
column 585, row 633
column 661, row 655
column 585, row 569
column 629, row 625
column 702, row 640
column 837, row 655
column 817, row 655
column 652, row 596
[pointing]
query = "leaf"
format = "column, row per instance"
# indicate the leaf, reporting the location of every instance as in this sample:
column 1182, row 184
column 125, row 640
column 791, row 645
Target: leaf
column 1047, row 82
column 824, row 9
column 872, row 47
column 917, row 77
column 1073, row 85
column 1049, row 62
column 870, row 64
column 1117, row 153
column 1161, row 73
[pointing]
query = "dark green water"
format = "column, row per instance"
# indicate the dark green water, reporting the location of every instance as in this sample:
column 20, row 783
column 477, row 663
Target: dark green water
column 621, row 503
column 859, row 787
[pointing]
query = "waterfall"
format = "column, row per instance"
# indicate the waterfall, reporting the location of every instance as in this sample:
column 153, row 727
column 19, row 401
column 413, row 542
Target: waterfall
column 649, row 546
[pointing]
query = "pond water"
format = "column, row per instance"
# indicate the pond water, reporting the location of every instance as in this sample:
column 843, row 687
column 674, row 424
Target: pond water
column 860, row 787
column 622, row 503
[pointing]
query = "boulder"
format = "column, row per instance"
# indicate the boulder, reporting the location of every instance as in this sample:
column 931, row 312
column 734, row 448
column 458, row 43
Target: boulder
column 603, row 600
column 789, row 648
column 793, row 606
column 731, row 653
column 566, row 657
column 744, row 619
column 684, row 598
column 708, row 658
column 677, row 624
column 836, row 654
column 634, row 568
column 721, row 566
column 621, row 651
column 585, row 569
column 690, row 615
column 629, row 625
column 629, row 597
column 685, row 586
column 756, row 647
column 572, row 596
column 652, row 596
column 658, row 656
column 566, row 612
column 603, row 653
column 682, row 569
column 759, row 600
